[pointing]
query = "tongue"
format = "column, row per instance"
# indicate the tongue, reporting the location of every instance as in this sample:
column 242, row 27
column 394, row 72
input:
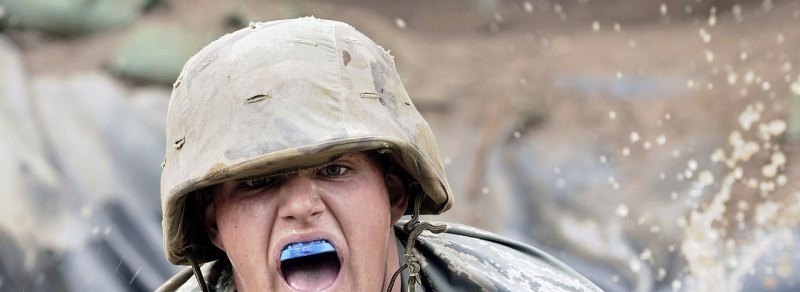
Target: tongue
column 312, row 274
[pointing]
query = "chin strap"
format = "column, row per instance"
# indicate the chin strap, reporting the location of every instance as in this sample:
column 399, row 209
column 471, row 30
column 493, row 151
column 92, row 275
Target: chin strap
column 196, row 270
column 414, row 227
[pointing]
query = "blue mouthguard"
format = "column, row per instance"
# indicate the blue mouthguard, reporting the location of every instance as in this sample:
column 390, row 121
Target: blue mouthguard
column 302, row 249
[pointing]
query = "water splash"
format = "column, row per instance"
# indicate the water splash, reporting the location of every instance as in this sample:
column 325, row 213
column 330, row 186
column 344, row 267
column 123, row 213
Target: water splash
column 720, row 255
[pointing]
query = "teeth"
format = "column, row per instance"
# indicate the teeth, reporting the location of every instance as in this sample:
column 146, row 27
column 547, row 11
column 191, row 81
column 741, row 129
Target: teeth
column 308, row 248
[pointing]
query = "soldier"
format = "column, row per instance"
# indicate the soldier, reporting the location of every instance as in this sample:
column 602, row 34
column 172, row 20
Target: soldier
column 293, row 151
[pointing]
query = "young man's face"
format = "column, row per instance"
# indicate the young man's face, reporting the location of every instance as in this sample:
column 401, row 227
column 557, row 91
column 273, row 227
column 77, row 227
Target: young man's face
column 347, row 205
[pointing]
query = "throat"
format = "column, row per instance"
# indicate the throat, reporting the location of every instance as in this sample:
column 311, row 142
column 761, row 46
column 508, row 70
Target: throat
column 311, row 273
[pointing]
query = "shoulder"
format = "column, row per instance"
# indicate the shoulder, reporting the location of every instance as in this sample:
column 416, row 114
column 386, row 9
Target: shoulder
column 469, row 258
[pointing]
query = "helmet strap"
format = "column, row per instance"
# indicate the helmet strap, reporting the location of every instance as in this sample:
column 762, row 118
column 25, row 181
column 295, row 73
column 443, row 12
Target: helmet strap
column 196, row 270
column 414, row 227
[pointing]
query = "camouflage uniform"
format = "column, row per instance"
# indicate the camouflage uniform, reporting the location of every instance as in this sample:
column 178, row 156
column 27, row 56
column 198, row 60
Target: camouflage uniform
column 461, row 259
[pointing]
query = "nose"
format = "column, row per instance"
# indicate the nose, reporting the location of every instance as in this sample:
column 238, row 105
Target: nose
column 302, row 202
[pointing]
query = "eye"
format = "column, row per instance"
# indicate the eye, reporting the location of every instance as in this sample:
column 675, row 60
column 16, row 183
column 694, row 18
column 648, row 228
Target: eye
column 259, row 182
column 334, row 170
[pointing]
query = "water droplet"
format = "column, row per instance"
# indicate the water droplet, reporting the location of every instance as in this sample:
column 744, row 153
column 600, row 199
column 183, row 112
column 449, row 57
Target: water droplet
column 634, row 137
column 596, row 26
column 780, row 38
column 704, row 35
column 667, row 117
column 485, row 191
column 692, row 164
column 626, row 151
column 752, row 183
column 732, row 78
column 613, row 182
column 706, row 178
column 635, row 265
column 676, row 153
column 498, row 17
column 528, row 7
column 676, row 285
column 736, row 10
column 617, row 27
column 709, row 56
column 663, row 9
column 769, row 170
column 750, row 115
column 603, row 159
column 742, row 205
column 661, row 139
column 778, row 158
column 740, row 216
column 612, row 115
column 622, row 211
column 682, row 223
column 400, row 23
column 795, row 88
column 619, row 75
column 765, row 86
column 776, row 127
column 517, row 134
column 766, row 187
column 646, row 254
column 558, row 9
column 690, row 83
column 781, row 180
column 718, row 155
column 712, row 20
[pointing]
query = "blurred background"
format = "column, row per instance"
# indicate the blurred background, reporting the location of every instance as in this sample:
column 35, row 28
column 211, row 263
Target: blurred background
column 651, row 145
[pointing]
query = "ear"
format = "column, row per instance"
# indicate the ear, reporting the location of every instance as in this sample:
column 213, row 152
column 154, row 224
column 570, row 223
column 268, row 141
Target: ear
column 208, row 211
column 398, row 195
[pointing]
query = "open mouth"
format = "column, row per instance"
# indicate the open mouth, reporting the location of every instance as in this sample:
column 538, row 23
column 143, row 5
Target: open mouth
column 310, row 265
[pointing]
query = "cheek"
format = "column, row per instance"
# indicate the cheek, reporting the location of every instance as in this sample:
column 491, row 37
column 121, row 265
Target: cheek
column 360, row 204
column 243, row 226
column 362, row 212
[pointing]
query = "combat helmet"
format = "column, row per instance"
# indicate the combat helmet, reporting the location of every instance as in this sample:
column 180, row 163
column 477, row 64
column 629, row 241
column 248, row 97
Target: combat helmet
column 285, row 95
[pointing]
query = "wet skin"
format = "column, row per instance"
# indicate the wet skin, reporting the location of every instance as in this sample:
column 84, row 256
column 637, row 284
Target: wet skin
column 349, row 202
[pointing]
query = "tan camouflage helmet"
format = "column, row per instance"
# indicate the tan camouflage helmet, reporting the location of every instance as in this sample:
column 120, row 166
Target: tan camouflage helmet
column 281, row 96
